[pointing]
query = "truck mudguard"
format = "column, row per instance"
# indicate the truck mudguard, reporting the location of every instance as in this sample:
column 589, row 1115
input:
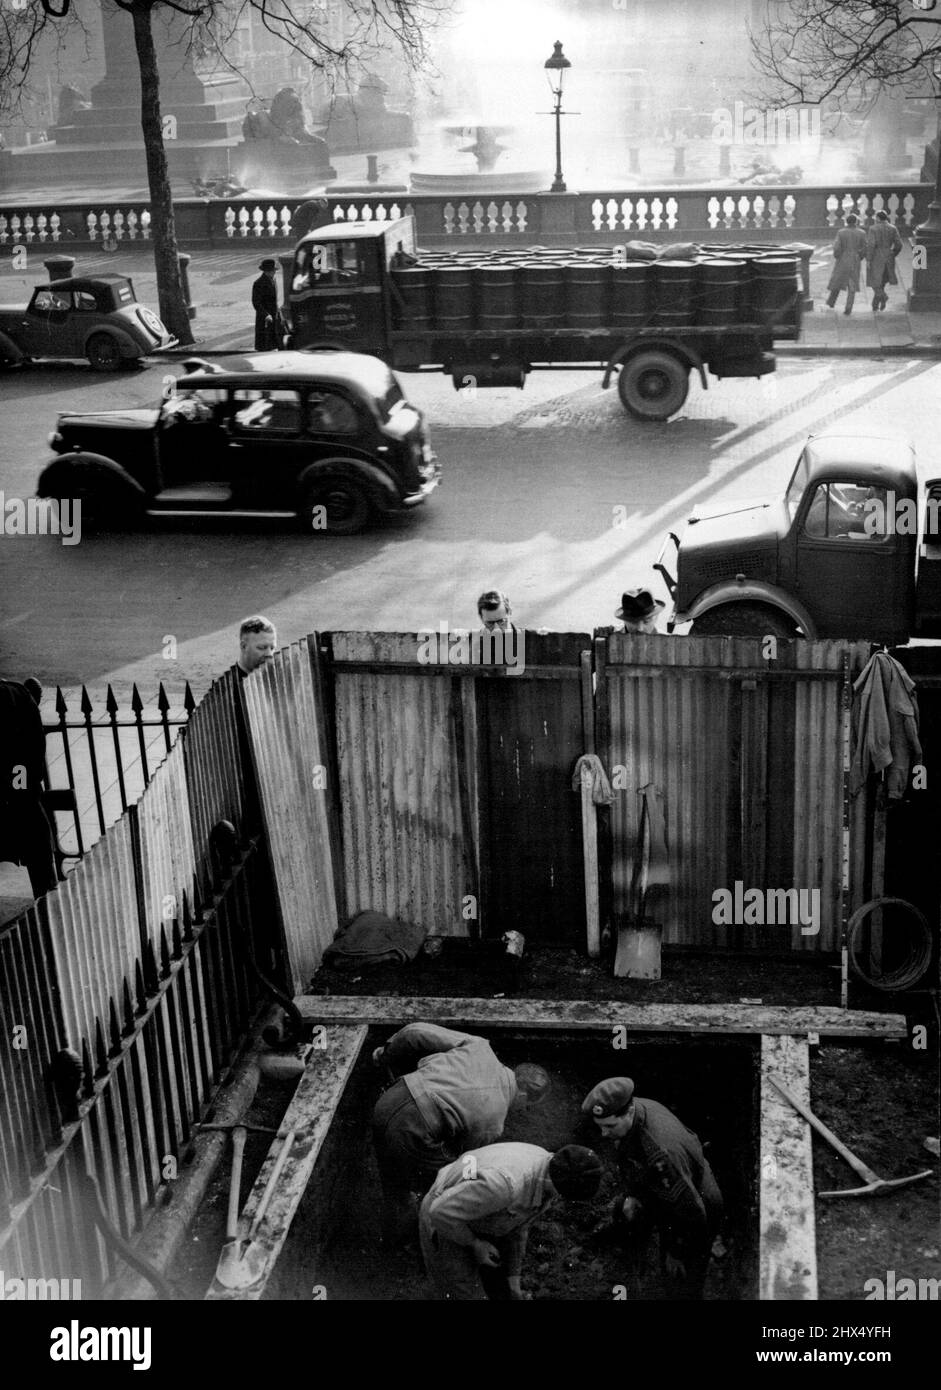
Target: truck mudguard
column 681, row 350
column 754, row 591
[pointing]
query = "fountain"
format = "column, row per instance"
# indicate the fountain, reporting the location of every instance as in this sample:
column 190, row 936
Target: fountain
column 449, row 171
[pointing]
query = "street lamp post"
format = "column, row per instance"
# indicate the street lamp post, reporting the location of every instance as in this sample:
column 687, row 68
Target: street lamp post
column 555, row 73
column 925, row 295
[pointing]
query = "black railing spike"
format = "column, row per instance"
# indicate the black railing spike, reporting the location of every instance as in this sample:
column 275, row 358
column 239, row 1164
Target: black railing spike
column 177, row 951
column 137, row 704
column 115, row 1029
column 62, row 708
column 85, row 704
column 164, row 953
column 88, row 1084
column 151, row 978
column 111, row 704
column 189, row 699
column 163, row 702
column 187, row 917
column 128, row 1010
column 140, row 988
column 101, row 1055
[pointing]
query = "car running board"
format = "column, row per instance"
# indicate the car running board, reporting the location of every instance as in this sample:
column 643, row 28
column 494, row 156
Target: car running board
column 219, row 511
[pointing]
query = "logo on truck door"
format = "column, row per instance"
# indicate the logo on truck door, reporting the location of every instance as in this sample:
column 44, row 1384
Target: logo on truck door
column 339, row 315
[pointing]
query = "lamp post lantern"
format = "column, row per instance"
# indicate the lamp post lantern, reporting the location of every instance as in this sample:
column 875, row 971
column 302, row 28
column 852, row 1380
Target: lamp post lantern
column 925, row 293
column 555, row 67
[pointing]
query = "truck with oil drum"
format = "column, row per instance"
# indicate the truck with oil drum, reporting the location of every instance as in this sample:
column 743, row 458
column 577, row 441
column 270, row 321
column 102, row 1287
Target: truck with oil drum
column 851, row 549
column 488, row 317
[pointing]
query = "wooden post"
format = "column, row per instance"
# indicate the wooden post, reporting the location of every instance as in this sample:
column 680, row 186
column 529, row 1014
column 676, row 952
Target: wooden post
column 590, row 854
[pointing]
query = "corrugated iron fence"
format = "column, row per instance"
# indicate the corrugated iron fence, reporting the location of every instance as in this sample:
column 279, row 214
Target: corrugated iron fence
column 124, row 998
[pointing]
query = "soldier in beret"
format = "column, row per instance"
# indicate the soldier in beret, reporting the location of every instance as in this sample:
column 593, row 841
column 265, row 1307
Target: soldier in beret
column 669, row 1184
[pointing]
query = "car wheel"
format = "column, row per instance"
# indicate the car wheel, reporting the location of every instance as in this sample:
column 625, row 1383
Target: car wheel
column 103, row 352
column 336, row 506
column 653, row 385
column 106, row 501
column 743, row 620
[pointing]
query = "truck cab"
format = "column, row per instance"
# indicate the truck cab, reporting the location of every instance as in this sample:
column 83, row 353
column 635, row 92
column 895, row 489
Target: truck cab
column 847, row 551
column 339, row 286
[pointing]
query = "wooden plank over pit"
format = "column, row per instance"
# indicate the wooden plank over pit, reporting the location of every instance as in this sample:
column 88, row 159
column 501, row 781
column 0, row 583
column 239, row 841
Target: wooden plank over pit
column 594, row 1014
column 310, row 1113
column 787, row 1251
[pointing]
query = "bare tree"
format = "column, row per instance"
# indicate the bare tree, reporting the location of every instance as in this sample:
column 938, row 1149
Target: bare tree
column 371, row 27
column 808, row 50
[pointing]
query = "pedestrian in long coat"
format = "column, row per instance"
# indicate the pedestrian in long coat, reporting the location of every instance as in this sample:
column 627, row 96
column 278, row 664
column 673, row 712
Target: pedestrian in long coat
column 849, row 249
column 883, row 244
column 265, row 304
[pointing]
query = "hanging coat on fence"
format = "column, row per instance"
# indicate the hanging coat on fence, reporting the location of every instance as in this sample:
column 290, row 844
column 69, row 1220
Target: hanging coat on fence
column 883, row 244
column 849, row 249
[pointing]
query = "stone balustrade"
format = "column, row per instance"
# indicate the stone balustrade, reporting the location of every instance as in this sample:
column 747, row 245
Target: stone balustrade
column 709, row 213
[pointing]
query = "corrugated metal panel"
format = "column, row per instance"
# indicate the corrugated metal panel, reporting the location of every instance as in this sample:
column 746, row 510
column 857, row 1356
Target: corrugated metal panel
column 740, row 763
column 166, row 842
column 291, row 757
column 93, row 928
column 213, row 755
column 402, row 827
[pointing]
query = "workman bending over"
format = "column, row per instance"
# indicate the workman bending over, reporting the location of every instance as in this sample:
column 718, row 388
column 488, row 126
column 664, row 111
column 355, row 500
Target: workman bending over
column 449, row 1092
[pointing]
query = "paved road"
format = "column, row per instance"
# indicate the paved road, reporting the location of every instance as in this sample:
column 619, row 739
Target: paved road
column 554, row 494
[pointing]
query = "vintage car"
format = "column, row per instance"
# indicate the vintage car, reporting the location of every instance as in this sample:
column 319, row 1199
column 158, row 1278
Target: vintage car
column 97, row 317
column 327, row 437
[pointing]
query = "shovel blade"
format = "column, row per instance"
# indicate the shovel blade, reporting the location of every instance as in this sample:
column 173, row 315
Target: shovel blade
column 240, row 1265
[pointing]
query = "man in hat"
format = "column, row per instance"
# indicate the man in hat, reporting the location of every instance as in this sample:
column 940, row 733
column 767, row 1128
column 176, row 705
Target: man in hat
column 669, row 1184
column 450, row 1092
column 639, row 610
column 26, row 834
column 265, row 304
column 475, row 1218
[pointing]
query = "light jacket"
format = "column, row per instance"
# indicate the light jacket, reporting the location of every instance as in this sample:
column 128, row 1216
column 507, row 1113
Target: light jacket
column 455, row 1079
column 490, row 1194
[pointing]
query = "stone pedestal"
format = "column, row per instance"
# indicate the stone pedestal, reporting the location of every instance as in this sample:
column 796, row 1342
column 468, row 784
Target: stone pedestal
column 557, row 215
column 281, row 165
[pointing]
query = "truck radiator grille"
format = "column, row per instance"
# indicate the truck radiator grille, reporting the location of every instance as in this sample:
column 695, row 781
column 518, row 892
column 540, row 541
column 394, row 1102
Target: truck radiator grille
column 729, row 566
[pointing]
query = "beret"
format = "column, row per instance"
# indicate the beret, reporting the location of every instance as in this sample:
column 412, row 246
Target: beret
column 610, row 1097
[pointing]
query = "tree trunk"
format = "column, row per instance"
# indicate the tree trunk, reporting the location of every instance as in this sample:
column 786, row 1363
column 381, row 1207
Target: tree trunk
column 170, row 294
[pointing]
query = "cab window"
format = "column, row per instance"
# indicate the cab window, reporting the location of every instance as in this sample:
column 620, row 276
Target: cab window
column 48, row 301
column 325, row 263
column 330, row 413
column 846, row 511
column 84, row 300
column 274, row 411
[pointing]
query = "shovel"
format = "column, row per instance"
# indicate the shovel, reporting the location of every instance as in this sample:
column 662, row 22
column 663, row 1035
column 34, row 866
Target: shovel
column 235, row 1187
column 241, row 1263
column 875, row 1186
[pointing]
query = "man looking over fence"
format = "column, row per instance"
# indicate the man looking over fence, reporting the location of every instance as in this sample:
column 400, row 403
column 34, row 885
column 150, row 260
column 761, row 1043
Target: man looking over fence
column 449, row 1092
column 258, row 642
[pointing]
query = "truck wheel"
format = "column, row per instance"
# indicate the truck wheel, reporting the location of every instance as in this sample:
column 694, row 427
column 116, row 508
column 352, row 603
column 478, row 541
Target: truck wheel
column 653, row 385
column 335, row 506
column 103, row 352
column 107, row 502
column 743, row 620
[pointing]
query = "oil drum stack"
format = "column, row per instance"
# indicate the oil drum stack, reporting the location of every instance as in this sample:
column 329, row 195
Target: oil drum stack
column 543, row 289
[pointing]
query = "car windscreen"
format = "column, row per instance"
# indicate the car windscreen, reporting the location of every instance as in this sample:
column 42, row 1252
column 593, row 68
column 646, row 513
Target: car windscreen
column 322, row 264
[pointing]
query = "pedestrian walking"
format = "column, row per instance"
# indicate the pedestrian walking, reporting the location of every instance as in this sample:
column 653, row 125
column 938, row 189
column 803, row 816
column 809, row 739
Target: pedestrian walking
column 849, row 249
column 26, row 834
column 883, row 243
column 265, row 304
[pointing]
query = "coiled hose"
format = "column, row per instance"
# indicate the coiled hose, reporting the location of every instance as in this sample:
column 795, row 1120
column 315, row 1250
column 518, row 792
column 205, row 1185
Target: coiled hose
column 910, row 972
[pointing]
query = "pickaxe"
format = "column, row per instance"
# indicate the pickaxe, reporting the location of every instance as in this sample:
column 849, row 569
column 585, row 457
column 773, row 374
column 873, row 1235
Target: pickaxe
column 875, row 1186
